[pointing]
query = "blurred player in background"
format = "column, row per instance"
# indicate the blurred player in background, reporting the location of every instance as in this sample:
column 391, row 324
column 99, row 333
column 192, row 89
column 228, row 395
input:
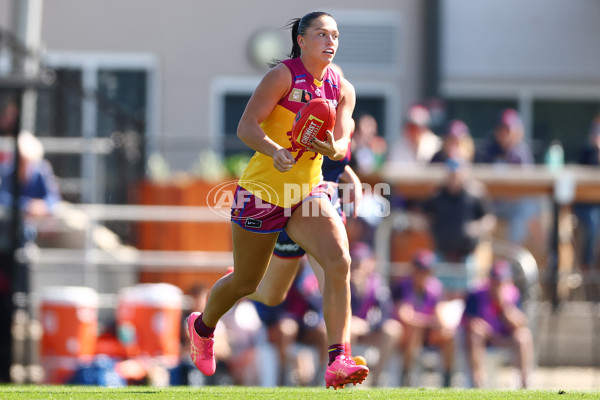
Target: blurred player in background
column 267, row 207
column 492, row 316
column 418, row 306
column 372, row 308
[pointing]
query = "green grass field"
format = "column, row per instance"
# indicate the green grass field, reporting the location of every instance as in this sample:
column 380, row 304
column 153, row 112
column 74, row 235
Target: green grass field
column 253, row 393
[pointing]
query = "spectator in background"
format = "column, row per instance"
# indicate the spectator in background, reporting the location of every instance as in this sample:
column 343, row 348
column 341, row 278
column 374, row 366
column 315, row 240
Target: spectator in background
column 372, row 322
column 417, row 300
column 368, row 148
column 38, row 195
column 38, row 186
column 414, row 147
column 492, row 316
column 589, row 214
column 507, row 147
column 9, row 122
column 457, row 143
column 418, row 143
column 459, row 218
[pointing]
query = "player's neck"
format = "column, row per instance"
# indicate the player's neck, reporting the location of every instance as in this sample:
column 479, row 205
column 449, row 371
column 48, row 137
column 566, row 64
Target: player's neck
column 316, row 69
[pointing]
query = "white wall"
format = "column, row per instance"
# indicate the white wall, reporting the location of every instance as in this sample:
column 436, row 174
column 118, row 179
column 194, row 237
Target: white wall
column 516, row 40
column 5, row 13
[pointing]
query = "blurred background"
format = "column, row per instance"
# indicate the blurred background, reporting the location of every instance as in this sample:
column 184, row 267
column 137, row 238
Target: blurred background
column 133, row 109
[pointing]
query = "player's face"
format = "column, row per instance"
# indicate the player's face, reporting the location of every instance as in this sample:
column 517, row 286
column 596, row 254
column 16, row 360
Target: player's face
column 321, row 39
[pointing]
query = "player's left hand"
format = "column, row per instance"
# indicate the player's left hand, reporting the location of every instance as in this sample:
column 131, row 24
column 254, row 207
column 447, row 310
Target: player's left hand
column 327, row 147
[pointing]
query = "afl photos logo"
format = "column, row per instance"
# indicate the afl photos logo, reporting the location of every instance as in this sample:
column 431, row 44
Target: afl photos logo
column 225, row 196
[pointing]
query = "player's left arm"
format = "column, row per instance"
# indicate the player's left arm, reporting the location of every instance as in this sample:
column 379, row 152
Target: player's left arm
column 337, row 142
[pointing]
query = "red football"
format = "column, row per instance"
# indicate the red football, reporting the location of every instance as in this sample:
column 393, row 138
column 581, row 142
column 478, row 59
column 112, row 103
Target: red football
column 312, row 121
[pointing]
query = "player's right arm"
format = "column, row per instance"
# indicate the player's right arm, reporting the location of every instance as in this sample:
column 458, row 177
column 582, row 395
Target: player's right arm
column 274, row 85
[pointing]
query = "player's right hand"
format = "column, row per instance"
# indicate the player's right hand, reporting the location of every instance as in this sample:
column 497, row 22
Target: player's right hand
column 283, row 160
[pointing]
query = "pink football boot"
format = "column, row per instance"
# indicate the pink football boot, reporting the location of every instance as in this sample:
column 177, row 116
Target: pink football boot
column 202, row 352
column 344, row 370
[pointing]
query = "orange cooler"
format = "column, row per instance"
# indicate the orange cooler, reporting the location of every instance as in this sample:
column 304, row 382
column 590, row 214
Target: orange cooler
column 149, row 320
column 69, row 317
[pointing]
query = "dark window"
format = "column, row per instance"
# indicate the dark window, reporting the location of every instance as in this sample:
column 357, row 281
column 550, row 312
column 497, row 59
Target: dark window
column 566, row 121
column 120, row 101
column 58, row 114
column 122, row 117
column 235, row 104
column 479, row 114
column 58, row 111
column 373, row 105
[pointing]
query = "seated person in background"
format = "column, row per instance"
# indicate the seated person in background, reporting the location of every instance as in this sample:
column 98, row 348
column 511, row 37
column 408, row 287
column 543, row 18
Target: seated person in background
column 459, row 218
column 507, row 147
column 418, row 307
column 298, row 319
column 417, row 143
column 457, row 143
column 38, row 186
column 492, row 316
column 589, row 214
column 368, row 147
column 413, row 148
column 372, row 322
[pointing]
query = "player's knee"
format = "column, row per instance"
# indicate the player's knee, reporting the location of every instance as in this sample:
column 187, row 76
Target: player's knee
column 338, row 265
column 245, row 288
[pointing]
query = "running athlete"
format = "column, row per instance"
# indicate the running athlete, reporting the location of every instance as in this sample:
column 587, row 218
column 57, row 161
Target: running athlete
column 282, row 188
column 287, row 255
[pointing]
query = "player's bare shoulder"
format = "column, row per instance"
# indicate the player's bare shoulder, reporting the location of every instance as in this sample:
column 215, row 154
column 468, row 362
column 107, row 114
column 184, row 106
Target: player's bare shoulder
column 346, row 89
column 276, row 82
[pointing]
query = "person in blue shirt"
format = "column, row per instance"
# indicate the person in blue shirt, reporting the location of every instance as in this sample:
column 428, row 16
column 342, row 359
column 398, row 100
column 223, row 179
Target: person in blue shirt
column 589, row 214
column 38, row 187
column 507, row 147
column 38, row 196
